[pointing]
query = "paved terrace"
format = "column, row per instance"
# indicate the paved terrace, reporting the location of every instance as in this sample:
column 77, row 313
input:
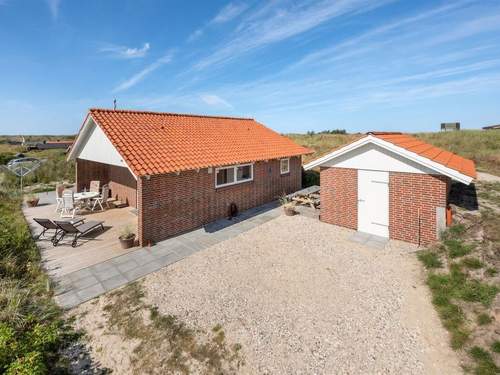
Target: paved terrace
column 98, row 265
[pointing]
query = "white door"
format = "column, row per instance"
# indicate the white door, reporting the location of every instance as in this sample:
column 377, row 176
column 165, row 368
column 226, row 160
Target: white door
column 373, row 202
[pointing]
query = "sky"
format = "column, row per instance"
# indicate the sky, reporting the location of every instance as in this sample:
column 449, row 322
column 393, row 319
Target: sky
column 295, row 66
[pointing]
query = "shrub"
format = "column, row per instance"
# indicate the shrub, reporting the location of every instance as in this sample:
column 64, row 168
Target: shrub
column 472, row 263
column 483, row 319
column 456, row 248
column 430, row 259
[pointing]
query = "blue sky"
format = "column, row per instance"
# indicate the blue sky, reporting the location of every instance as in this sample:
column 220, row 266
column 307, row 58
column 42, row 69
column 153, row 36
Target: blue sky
column 293, row 65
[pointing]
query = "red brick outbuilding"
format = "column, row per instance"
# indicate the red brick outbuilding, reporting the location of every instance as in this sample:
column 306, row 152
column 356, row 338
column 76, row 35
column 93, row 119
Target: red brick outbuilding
column 183, row 171
column 391, row 185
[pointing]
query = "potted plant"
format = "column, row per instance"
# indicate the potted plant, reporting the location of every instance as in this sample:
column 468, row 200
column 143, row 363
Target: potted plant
column 127, row 238
column 32, row 200
column 288, row 205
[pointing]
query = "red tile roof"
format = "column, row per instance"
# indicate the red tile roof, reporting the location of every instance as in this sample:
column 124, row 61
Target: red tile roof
column 436, row 154
column 155, row 143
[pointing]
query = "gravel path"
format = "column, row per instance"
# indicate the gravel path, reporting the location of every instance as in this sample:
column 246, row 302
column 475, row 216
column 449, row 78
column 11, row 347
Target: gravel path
column 301, row 299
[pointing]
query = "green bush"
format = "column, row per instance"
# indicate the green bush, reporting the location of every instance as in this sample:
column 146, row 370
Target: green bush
column 32, row 330
column 430, row 259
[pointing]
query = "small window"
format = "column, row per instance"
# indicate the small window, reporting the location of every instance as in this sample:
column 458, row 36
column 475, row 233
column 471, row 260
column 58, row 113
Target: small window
column 234, row 174
column 285, row 166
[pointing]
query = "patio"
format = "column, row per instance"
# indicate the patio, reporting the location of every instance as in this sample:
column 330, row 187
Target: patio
column 94, row 248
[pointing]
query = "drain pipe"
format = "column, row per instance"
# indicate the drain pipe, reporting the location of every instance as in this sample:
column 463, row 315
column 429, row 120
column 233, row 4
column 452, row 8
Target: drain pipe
column 418, row 218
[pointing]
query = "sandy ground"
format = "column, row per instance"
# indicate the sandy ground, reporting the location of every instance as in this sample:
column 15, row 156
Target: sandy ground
column 300, row 299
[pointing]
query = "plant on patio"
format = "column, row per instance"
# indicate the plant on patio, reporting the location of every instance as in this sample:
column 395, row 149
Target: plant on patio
column 288, row 205
column 32, row 200
column 127, row 238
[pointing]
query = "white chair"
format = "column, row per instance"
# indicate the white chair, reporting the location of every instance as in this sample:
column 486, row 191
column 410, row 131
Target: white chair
column 59, row 199
column 68, row 206
column 95, row 186
column 103, row 198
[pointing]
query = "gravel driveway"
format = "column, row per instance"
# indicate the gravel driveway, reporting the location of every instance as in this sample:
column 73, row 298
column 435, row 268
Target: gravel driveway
column 302, row 299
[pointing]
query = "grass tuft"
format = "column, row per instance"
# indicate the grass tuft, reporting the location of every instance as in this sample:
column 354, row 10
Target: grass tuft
column 472, row 263
column 484, row 319
column 430, row 259
column 495, row 347
column 456, row 248
column 484, row 362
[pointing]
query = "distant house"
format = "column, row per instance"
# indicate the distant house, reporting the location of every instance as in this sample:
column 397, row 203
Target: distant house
column 49, row 145
column 445, row 126
column 183, row 171
column 491, row 127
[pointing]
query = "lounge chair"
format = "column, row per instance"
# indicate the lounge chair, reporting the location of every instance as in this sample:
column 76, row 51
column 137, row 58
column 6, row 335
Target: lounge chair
column 103, row 198
column 68, row 208
column 49, row 225
column 59, row 199
column 76, row 230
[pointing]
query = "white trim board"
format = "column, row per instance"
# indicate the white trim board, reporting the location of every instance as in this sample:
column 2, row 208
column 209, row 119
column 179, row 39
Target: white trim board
column 92, row 144
column 413, row 160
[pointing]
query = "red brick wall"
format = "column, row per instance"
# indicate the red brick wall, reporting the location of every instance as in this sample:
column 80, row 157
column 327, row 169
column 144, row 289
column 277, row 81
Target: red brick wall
column 409, row 195
column 121, row 182
column 339, row 196
column 171, row 204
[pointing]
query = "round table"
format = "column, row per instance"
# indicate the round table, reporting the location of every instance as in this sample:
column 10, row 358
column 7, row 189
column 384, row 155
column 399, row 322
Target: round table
column 85, row 198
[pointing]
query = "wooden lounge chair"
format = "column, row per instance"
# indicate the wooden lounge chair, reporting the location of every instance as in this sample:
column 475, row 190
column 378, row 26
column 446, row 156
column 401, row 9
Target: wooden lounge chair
column 76, row 230
column 49, row 225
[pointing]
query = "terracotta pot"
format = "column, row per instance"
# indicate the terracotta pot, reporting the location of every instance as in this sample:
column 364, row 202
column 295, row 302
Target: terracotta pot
column 289, row 211
column 127, row 243
column 32, row 202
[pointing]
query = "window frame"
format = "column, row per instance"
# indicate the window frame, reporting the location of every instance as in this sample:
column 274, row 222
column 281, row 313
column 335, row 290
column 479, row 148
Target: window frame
column 288, row 169
column 235, row 174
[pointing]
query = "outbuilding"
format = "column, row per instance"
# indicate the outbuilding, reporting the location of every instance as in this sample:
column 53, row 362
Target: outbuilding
column 390, row 184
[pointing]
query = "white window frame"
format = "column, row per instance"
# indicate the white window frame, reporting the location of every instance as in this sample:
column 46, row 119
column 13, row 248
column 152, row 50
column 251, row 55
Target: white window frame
column 235, row 173
column 288, row 170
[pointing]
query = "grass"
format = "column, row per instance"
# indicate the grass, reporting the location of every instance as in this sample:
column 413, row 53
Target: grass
column 457, row 248
column 472, row 263
column 32, row 328
column 484, row 361
column 484, row 319
column 165, row 343
column 430, row 259
column 495, row 346
column 490, row 271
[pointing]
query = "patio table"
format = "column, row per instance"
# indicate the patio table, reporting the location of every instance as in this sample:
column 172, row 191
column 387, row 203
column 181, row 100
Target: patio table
column 85, row 197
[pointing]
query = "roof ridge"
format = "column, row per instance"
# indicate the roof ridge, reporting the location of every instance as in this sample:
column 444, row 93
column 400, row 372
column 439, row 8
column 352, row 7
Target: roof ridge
column 168, row 113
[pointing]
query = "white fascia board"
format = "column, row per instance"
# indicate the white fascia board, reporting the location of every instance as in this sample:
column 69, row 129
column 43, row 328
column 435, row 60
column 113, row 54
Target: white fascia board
column 83, row 138
column 439, row 168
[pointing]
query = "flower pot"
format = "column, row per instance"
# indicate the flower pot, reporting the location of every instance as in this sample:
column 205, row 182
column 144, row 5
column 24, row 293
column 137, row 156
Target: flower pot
column 127, row 242
column 289, row 211
column 32, row 202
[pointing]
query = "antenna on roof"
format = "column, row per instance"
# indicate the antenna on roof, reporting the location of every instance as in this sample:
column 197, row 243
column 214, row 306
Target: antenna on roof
column 114, row 104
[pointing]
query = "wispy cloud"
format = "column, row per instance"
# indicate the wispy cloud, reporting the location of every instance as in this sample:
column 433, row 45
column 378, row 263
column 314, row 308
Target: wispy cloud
column 54, row 6
column 138, row 77
column 272, row 24
column 215, row 100
column 229, row 12
column 124, row 52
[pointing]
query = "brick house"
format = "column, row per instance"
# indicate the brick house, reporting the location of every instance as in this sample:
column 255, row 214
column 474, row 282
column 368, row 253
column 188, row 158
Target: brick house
column 391, row 185
column 184, row 171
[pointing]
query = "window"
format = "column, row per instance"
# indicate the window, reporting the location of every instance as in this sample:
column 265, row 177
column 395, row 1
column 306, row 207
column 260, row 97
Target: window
column 284, row 166
column 234, row 174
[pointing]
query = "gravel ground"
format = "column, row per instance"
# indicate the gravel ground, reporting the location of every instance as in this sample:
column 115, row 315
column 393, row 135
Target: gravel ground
column 301, row 299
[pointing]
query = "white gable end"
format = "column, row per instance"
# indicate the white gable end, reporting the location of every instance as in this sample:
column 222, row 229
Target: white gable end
column 97, row 147
column 375, row 158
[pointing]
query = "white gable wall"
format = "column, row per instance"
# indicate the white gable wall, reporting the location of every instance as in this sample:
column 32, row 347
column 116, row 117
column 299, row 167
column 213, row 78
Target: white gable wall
column 375, row 158
column 97, row 147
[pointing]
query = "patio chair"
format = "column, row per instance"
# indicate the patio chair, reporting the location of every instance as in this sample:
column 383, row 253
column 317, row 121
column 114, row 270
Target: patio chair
column 68, row 207
column 95, row 186
column 59, row 199
column 77, row 231
column 48, row 225
column 103, row 198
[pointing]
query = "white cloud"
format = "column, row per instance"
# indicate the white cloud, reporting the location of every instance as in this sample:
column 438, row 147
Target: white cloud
column 229, row 12
column 214, row 100
column 54, row 6
column 124, row 52
column 138, row 77
column 272, row 24
column 195, row 35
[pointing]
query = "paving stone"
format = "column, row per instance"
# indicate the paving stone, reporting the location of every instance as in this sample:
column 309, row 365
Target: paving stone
column 375, row 244
column 90, row 292
column 86, row 282
column 80, row 274
column 129, row 265
column 142, row 258
column 169, row 259
column 102, row 266
column 141, row 271
column 159, row 251
column 106, row 273
column 114, row 282
column 68, row 300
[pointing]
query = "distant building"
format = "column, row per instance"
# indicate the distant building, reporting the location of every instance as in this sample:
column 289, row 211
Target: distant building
column 491, row 127
column 48, row 145
column 445, row 126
